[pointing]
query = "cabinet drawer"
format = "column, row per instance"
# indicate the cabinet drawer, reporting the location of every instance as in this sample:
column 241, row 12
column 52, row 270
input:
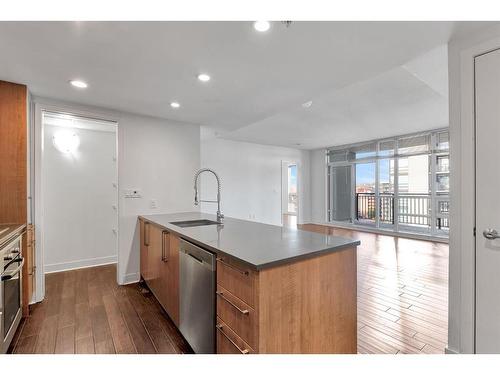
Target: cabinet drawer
column 228, row 342
column 237, row 279
column 238, row 315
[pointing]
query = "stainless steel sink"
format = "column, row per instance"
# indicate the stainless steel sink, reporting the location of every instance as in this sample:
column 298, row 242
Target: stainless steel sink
column 194, row 223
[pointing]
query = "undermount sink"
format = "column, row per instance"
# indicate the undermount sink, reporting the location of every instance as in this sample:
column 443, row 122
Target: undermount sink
column 194, row 223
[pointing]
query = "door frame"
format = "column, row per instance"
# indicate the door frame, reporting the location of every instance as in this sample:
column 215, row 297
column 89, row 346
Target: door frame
column 285, row 164
column 461, row 308
column 41, row 106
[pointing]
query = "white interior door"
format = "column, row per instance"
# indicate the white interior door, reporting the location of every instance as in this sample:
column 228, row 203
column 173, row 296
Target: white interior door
column 487, row 73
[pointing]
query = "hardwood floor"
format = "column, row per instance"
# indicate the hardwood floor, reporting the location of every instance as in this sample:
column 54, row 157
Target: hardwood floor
column 402, row 293
column 402, row 305
column 85, row 311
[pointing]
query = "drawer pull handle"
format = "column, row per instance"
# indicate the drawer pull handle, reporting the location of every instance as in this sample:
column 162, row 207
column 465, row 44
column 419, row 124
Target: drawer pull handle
column 219, row 327
column 233, row 267
column 146, row 234
column 221, row 295
column 164, row 240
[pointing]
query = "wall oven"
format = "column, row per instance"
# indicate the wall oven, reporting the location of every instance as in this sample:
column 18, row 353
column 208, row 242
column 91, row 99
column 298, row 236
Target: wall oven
column 12, row 262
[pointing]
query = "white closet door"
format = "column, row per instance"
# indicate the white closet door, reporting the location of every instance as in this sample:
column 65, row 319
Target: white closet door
column 487, row 69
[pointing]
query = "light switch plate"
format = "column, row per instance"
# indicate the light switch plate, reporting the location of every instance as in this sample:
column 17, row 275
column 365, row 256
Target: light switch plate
column 133, row 193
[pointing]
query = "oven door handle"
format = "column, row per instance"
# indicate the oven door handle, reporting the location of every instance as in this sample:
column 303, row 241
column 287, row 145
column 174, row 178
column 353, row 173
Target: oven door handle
column 11, row 274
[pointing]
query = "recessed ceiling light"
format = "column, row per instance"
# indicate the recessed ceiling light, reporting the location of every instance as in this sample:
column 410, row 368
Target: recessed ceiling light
column 261, row 26
column 78, row 83
column 175, row 105
column 307, row 104
column 203, row 77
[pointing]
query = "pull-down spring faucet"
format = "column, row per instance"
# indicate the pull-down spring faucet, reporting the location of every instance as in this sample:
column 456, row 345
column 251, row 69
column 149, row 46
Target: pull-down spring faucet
column 220, row 216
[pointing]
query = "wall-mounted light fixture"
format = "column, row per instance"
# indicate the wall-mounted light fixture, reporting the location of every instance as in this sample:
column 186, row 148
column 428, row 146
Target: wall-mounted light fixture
column 66, row 141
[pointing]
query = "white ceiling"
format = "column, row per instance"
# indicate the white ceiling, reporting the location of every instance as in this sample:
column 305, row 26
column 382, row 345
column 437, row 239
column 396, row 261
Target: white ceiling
column 406, row 99
column 365, row 78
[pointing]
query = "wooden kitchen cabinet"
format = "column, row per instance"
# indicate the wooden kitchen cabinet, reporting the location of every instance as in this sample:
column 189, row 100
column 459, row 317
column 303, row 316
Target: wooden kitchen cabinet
column 169, row 275
column 308, row 306
column 159, row 257
column 155, row 249
column 144, row 235
column 14, row 172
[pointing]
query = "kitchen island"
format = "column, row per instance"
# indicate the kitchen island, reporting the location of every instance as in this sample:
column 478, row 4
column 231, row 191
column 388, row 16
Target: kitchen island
column 278, row 290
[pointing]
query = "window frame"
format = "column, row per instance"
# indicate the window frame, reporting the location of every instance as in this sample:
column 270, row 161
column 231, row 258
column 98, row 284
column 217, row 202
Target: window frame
column 434, row 152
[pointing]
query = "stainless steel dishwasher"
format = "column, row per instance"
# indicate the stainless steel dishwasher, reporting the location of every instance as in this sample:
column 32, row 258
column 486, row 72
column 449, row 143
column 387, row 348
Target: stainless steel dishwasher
column 197, row 297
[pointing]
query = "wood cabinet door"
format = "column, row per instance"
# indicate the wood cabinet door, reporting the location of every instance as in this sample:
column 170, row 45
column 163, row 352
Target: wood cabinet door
column 163, row 296
column 144, row 234
column 170, row 278
column 154, row 260
column 144, row 248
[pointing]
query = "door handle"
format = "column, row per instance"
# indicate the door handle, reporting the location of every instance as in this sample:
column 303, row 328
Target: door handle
column 490, row 234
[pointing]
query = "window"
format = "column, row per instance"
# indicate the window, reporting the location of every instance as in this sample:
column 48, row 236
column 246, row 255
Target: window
column 400, row 183
column 365, row 192
column 364, row 151
column 413, row 145
column 292, row 189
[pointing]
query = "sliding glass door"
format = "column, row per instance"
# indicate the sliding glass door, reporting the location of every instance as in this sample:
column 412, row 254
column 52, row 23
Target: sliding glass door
column 366, row 202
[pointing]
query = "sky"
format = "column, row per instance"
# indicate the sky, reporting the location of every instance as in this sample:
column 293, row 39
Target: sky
column 365, row 172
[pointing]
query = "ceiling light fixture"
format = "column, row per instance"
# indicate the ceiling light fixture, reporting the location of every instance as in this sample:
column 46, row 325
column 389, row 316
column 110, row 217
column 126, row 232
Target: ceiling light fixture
column 175, row 105
column 261, row 26
column 307, row 104
column 78, row 83
column 203, row 77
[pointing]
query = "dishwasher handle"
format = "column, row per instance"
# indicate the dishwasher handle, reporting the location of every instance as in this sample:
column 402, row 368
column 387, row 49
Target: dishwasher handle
column 195, row 258
column 197, row 254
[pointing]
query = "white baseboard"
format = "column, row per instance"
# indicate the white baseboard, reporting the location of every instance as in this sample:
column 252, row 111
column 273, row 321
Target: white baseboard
column 131, row 278
column 66, row 266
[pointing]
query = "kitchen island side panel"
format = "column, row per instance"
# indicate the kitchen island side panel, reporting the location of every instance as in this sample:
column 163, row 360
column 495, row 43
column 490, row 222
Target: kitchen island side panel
column 310, row 306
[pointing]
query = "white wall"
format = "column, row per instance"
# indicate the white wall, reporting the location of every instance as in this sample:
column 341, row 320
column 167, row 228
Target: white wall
column 461, row 305
column 157, row 156
column 251, row 178
column 78, row 200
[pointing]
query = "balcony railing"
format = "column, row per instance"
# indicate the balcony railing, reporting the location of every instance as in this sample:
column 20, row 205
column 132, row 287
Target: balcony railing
column 413, row 209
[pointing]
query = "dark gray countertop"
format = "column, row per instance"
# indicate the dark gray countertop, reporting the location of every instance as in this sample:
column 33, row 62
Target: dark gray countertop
column 258, row 245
